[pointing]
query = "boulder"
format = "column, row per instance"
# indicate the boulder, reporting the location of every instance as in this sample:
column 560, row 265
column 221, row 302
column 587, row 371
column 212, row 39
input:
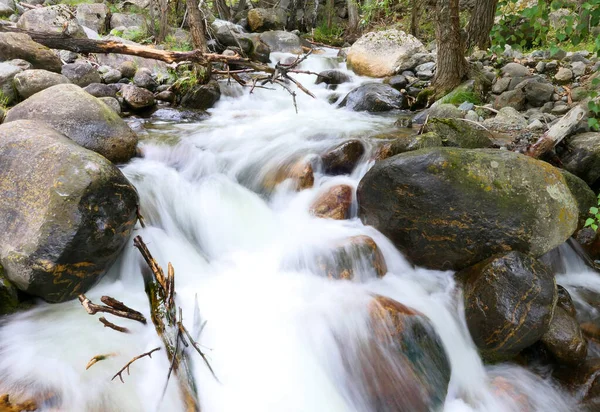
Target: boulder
column 564, row 338
column 7, row 75
column 406, row 143
column 334, row 203
column 94, row 16
column 111, row 102
column 501, row 84
column 582, row 156
column 7, row 7
column 137, row 98
column 282, row 42
column 300, row 172
column 563, row 75
column 582, row 381
column 514, row 70
column 332, row 78
column 343, row 158
column 66, row 212
column 449, row 208
column 512, row 98
column 458, row 133
column 81, row 117
column 81, row 74
column 127, row 20
column 443, row 111
column 584, row 196
column 20, row 46
column 507, row 119
column 398, row 82
column 128, row 69
column 9, row 300
column 111, row 76
column 536, row 93
column 202, row 96
column 352, row 259
column 56, row 20
column 509, row 300
column 384, row 53
column 374, row 97
column 29, row 82
column 265, row 19
column 143, row 78
column 102, row 90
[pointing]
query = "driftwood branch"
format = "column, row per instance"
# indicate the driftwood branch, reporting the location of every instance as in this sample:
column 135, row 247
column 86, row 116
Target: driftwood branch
column 126, row 367
column 111, row 325
column 97, row 359
column 563, row 128
column 120, row 310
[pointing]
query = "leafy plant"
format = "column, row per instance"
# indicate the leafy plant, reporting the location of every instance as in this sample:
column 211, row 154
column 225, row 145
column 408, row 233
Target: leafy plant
column 594, row 220
column 328, row 35
column 172, row 43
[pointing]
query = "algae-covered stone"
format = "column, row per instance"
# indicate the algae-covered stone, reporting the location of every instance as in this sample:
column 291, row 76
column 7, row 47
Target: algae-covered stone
column 65, row 211
column 509, row 301
column 449, row 208
column 9, row 300
column 458, row 133
column 81, row 117
column 583, row 194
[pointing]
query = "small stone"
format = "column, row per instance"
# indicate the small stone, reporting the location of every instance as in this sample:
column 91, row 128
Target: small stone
column 558, row 54
column 536, row 125
column 112, row 76
column 540, row 67
column 466, row 106
column 334, row 203
column 472, row 116
column 166, row 96
column 560, row 109
column 128, row 69
column 501, row 85
column 515, row 70
column 136, row 97
column 143, row 78
column 578, row 68
column 551, row 66
column 67, row 56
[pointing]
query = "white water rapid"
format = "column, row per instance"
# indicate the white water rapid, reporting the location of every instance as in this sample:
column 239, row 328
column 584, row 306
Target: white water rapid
column 245, row 259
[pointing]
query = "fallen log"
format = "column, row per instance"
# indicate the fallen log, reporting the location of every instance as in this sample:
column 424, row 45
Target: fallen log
column 557, row 133
column 62, row 42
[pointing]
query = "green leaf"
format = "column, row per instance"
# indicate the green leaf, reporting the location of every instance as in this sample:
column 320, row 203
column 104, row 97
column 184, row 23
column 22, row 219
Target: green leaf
column 593, row 123
column 589, row 222
column 593, row 210
column 595, row 227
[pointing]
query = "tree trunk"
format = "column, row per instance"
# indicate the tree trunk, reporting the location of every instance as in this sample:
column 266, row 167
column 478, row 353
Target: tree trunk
column 415, row 17
column 196, row 24
column 451, row 63
column 353, row 17
column 164, row 21
column 480, row 24
column 241, row 6
column 222, row 10
column 330, row 10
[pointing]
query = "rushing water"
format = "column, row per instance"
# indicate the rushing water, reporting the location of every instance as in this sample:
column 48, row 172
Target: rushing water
column 243, row 262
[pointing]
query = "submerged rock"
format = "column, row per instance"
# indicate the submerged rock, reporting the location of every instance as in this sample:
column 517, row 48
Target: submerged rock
column 81, row 117
column 384, row 53
column 335, row 203
column 509, row 301
column 65, row 212
column 202, row 96
column 358, row 253
column 300, row 172
column 343, row 158
column 332, row 78
column 374, row 97
column 564, row 338
column 449, row 208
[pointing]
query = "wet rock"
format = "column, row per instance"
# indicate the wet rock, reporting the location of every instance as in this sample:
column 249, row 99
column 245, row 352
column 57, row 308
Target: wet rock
column 300, row 172
column 565, row 302
column 335, row 203
column 564, row 338
column 94, row 16
column 137, row 98
column 404, row 366
column 355, row 256
column 29, row 82
column 332, row 78
column 384, row 53
column 583, row 381
column 81, row 74
column 582, row 156
column 265, row 19
column 81, row 117
column 513, row 98
column 143, row 78
column 563, row 75
column 493, row 201
column 7, row 75
column 507, row 119
column 584, row 196
column 282, row 41
column 509, row 301
column 398, row 82
column 405, row 143
column 9, row 300
column 66, row 222
column 56, row 20
column 515, row 70
column 374, row 97
column 457, row 133
column 202, row 96
column 102, row 90
column 20, row 46
column 343, row 158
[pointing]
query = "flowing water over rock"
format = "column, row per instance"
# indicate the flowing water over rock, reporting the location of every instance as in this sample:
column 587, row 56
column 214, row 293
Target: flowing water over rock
column 278, row 329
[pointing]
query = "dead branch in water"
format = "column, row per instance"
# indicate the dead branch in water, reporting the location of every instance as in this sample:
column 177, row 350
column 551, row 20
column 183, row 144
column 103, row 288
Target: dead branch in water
column 111, row 325
column 119, row 310
column 126, row 367
column 97, row 359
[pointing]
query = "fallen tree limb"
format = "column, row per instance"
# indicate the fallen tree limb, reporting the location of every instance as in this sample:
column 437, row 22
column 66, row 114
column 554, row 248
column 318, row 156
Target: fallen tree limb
column 126, row 367
column 111, row 325
column 120, row 311
column 557, row 133
column 97, row 359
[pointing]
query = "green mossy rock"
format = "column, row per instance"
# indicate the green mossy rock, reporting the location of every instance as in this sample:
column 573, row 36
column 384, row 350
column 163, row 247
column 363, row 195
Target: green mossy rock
column 583, row 194
column 65, row 212
column 459, row 133
column 509, row 301
column 449, row 208
column 9, row 299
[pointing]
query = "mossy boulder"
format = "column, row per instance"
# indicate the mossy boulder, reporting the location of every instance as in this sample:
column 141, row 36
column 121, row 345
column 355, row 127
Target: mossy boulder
column 9, row 299
column 509, row 302
column 459, row 133
column 583, row 194
column 81, row 117
column 65, row 211
column 265, row 19
column 449, row 208
column 202, row 96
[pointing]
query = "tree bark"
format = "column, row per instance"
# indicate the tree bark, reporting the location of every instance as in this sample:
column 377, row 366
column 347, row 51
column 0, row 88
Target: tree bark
column 451, row 63
column 163, row 24
column 222, row 10
column 330, row 10
column 197, row 28
column 353, row 17
column 415, row 17
column 480, row 24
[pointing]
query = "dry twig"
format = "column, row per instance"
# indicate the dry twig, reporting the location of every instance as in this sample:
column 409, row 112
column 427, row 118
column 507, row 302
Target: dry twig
column 97, row 359
column 119, row 309
column 126, row 367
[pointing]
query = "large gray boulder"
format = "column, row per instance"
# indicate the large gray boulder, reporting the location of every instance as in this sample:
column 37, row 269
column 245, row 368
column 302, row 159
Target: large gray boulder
column 65, row 213
column 52, row 20
column 81, row 117
column 7, row 75
column 282, row 41
column 384, row 53
column 449, row 208
column 20, row 46
column 374, row 97
column 81, row 74
column 9, row 299
column 94, row 16
column 29, row 82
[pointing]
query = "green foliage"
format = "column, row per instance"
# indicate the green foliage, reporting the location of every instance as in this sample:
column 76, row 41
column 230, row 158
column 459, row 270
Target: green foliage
column 375, row 9
column 461, row 97
column 75, row 3
column 3, row 100
column 328, row 35
column 521, row 27
column 172, row 43
column 594, row 220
